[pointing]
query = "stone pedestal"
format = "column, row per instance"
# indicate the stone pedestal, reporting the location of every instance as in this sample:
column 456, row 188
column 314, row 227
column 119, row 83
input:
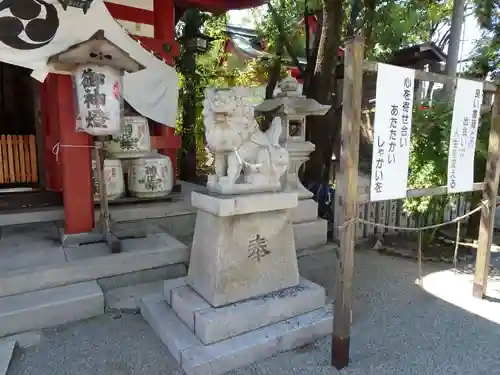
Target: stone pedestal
column 243, row 246
column 243, row 299
column 309, row 230
column 299, row 153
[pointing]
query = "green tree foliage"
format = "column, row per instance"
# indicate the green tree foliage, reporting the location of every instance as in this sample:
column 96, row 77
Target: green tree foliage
column 486, row 58
column 429, row 160
column 397, row 24
column 388, row 26
column 211, row 70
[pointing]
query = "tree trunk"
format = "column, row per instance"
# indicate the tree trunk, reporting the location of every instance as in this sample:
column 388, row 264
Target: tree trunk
column 313, row 55
column 272, row 81
column 322, row 130
column 188, row 164
column 274, row 73
column 369, row 22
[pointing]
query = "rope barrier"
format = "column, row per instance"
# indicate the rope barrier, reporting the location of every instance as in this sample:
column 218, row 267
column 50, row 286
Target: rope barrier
column 457, row 221
column 57, row 148
column 427, row 227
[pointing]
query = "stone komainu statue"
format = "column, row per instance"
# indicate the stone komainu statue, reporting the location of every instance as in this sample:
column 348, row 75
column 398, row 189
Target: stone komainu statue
column 246, row 159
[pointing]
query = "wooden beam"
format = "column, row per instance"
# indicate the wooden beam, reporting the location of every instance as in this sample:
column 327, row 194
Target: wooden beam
column 370, row 66
column 490, row 195
column 364, row 193
column 349, row 157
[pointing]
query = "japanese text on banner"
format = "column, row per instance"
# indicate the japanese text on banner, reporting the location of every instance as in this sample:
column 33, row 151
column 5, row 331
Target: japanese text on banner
column 466, row 112
column 392, row 132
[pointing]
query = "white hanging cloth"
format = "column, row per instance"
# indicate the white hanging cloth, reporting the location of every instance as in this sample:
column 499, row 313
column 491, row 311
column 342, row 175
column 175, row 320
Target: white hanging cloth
column 34, row 30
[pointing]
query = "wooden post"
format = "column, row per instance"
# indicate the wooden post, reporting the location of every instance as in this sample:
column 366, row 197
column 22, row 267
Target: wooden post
column 349, row 157
column 490, row 195
column 104, row 224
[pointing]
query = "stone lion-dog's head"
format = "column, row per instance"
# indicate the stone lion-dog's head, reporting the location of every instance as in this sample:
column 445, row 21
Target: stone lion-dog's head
column 228, row 117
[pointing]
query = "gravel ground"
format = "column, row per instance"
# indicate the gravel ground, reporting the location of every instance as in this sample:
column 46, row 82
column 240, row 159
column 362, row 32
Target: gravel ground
column 398, row 328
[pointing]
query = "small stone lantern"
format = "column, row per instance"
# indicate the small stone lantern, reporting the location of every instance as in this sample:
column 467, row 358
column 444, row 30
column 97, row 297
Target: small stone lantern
column 293, row 108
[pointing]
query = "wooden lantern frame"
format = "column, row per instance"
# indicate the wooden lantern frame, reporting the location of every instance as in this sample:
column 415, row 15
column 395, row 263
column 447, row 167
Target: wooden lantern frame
column 98, row 50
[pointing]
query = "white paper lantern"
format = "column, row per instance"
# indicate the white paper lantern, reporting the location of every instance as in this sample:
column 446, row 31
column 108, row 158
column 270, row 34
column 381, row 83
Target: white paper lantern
column 99, row 100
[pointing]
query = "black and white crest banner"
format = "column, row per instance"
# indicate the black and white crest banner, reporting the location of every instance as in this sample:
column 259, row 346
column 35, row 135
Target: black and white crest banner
column 33, row 30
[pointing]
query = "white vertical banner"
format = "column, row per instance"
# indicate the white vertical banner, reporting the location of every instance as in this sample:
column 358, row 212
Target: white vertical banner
column 392, row 132
column 464, row 124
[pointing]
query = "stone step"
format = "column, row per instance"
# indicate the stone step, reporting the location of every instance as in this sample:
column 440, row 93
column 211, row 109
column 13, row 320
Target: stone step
column 216, row 324
column 123, row 292
column 50, row 307
column 6, row 350
column 94, row 261
column 195, row 358
column 129, row 297
column 168, row 272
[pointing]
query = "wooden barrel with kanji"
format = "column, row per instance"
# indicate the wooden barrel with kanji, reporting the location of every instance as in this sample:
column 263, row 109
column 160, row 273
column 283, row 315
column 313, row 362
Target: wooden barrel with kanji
column 113, row 175
column 150, row 176
column 133, row 142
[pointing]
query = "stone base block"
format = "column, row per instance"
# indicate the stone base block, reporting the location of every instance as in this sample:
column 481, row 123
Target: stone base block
column 232, row 205
column 211, row 324
column 310, row 233
column 195, row 358
column 306, row 210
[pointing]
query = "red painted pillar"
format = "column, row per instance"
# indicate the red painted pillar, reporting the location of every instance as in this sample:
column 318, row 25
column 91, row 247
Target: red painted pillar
column 75, row 163
column 50, row 126
column 164, row 19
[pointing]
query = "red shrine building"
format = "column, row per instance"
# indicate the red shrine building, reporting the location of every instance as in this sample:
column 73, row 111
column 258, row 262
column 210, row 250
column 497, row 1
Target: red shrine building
column 34, row 117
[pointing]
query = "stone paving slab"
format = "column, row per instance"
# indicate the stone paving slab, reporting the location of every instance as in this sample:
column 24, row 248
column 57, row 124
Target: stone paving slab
column 6, row 350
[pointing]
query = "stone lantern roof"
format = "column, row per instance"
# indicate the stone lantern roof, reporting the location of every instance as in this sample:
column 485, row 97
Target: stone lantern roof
column 291, row 103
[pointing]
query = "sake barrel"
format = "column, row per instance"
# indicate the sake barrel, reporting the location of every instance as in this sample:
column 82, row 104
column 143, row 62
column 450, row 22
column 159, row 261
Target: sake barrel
column 113, row 175
column 133, row 142
column 150, row 176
